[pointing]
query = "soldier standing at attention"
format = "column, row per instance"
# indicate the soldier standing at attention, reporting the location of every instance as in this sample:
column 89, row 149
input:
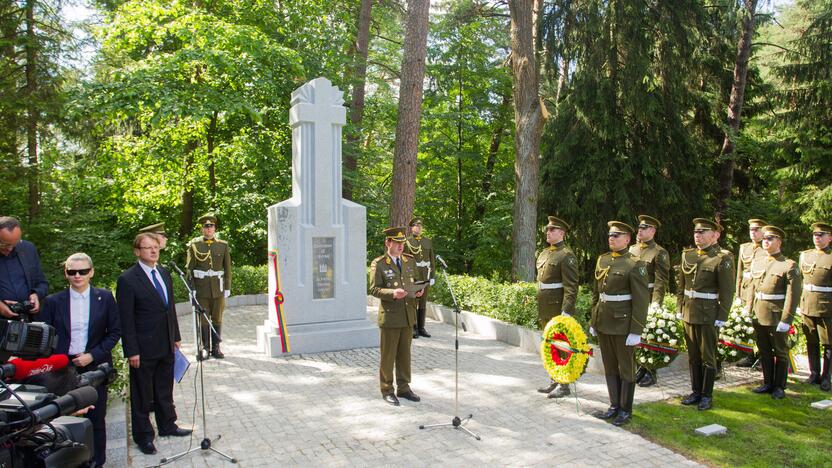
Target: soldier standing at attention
column 657, row 261
column 208, row 264
column 775, row 292
column 389, row 275
column 748, row 252
column 421, row 248
column 619, row 311
column 816, row 304
column 159, row 230
column 706, row 290
column 557, row 286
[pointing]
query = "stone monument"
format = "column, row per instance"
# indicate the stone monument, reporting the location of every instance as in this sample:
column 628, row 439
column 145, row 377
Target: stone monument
column 317, row 240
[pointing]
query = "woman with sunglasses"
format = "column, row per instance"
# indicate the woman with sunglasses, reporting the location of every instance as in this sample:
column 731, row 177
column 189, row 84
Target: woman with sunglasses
column 87, row 326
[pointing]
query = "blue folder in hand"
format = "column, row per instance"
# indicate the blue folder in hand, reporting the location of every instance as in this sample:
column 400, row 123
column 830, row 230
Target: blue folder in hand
column 180, row 365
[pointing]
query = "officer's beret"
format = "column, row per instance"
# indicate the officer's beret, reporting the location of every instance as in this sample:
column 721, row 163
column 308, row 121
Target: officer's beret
column 556, row 223
column 620, row 227
column 822, row 227
column 414, row 221
column 158, row 228
column 396, row 234
column 756, row 222
column 769, row 230
column 649, row 220
column 208, row 217
column 703, row 223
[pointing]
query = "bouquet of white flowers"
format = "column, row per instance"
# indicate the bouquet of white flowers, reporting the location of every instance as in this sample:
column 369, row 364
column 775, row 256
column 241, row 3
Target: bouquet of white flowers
column 736, row 337
column 661, row 340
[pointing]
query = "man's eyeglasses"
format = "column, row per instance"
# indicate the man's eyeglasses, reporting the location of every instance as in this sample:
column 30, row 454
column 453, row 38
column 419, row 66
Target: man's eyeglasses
column 819, row 233
column 701, row 231
column 770, row 238
column 644, row 226
column 155, row 247
column 615, row 235
column 82, row 272
column 209, row 225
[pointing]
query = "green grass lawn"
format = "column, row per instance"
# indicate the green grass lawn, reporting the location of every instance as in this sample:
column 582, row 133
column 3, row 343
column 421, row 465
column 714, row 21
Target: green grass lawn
column 761, row 431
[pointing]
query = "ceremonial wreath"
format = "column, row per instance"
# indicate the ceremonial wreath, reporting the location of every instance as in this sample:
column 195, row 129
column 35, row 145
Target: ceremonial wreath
column 564, row 349
column 661, row 339
column 736, row 337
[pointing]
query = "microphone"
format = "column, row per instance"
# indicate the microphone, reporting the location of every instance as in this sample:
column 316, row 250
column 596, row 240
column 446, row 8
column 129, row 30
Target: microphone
column 71, row 402
column 441, row 262
column 175, row 268
column 22, row 368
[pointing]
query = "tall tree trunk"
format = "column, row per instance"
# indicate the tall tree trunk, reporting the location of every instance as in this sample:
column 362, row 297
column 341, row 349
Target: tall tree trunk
column 563, row 71
column 359, row 81
column 409, row 112
column 493, row 149
column 32, row 111
column 9, row 118
column 726, row 169
column 528, row 122
column 186, row 225
column 212, row 173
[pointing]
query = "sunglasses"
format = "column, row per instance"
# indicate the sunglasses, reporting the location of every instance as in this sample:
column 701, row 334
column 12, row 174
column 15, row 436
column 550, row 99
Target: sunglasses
column 615, row 235
column 209, row 225
column 644, row 226
column 82, row 272
column 819, row 233
column 770, row 238
column 701, row 231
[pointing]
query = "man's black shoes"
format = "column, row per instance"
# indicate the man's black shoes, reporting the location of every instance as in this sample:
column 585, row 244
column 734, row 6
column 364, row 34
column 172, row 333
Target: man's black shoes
column 622, row 418
column 391, row 399
column 147, row 448
column 610, row 413
column 217, row 353
column 423, row 332
column 692, row 399
column 777, row 393
column 548, row 388
column 176, row 432
column 764, row 388
column 410, row 396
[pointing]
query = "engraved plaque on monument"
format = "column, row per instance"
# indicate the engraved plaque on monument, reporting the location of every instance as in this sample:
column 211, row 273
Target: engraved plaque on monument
column 319, row 238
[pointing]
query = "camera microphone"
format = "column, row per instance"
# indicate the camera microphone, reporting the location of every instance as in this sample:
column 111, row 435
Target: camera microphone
column 20, row 369
column 73, row 401
column 441, row 262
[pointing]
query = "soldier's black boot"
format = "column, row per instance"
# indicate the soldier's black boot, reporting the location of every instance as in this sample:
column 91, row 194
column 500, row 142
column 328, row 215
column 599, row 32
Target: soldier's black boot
column 548, row 388
column 747, row 361
column 695, row 385
column 781, row 371
column 205, row 333
column 415, row 332
column 640, row 373
column 613, row 388
column 813, row 355
column 628, row 390
column 706, row 401
column 825, row 383
column 768, row 376
column 420, row 320
column 215, row 347
column 561, row 391
column 650, row 379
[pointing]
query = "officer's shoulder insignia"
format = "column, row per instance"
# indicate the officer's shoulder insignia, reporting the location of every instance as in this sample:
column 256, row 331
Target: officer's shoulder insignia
column 642, row 270
column 725, row 252
column 407, row 255
column 571, row 260
column 220, row 241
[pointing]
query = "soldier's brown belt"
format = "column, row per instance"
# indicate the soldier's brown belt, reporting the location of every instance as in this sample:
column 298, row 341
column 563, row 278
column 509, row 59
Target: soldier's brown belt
column 615, row 297
column 769, row 297
column 701, row 295
column 816, row 288
column 550, row 285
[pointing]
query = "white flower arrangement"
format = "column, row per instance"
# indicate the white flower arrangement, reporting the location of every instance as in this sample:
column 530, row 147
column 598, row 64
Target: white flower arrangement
column 737, row 336
column 661, row 338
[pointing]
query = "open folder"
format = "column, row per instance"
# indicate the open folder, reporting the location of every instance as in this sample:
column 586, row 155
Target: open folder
column 415, row 287
column 180, row 365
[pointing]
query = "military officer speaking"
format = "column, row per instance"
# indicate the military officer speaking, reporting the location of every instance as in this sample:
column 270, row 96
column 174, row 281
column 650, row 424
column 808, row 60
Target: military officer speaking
column 208, row 265
column 775, row 292
column 421, row 248
column 392, row 275
column 619, row 311
column 748, row 252
column 705, row 292
column 657, row 261
column 557, row 285
column 816, row 304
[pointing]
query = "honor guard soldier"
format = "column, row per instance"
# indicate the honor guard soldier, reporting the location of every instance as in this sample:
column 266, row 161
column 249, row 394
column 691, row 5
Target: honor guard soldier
column 557, row 285
column 816, row 304
column 657, row 261
column 390, row 276
column 748, row 252
column 159, row 230
column 421, row 248
column 208, row 265
column 706, row 290
column 619, row 311
column 776, row 284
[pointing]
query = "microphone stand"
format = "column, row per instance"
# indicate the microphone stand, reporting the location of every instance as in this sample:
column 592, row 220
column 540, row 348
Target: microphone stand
column 456, row 422
column 197, row 311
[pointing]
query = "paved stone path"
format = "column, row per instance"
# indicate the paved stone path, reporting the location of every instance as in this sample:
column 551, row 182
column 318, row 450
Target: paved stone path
column 326, row 409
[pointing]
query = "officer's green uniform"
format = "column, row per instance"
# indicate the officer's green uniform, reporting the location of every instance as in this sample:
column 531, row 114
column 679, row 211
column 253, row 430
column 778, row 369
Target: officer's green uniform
column 706, row 291
column 619, row 309
column 421, row 248
column 816, row 308
column 396, row 317
column 208, row 265
column 748, row 252
column 557, row 288
column 776, row 284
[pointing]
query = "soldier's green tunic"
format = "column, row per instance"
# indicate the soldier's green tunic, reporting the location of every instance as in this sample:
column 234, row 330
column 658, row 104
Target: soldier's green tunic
column 706, row 291
column 619, row 308
column 557, row 282
column 657, row 261
column 208, row 265
column 748, row 252
column 396, row 318
column 816, row 300
column 421, row 248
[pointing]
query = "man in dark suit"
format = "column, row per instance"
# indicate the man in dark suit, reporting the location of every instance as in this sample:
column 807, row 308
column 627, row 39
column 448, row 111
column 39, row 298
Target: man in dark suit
column 87, row 326
column 21, row 278
column 150, row 336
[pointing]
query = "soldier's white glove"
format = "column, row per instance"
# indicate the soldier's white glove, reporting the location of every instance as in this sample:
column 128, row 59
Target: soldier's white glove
column 565, row 313
column 798, row 312
column 782, row 327
column 737, row 301
column 719, row 323
column 633, row 339
column 226, row 293
column 432, row 281
column 592, row 331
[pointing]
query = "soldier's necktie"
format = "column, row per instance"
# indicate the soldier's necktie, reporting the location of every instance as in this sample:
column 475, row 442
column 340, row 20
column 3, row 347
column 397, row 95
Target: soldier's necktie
column 158, row 286
column 399, row 263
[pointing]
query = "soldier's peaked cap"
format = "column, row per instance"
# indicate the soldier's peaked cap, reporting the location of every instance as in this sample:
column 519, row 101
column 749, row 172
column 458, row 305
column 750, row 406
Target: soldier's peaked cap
column 556, row 223
column 649, row 220
column 620, row 227
column 396, row 234
column 207, row 217
column 757, row 222
column 704, row 223
column 821, row 227
column 158, row 228
column 774, row 230
column 415, row 220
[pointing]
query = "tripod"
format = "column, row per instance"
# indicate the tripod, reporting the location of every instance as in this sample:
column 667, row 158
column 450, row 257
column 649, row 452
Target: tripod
column 197, row 311
column 456, row 422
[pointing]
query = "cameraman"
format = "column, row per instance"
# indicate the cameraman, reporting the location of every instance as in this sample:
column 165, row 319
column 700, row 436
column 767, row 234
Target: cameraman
column 87, row 325
column 21, row 278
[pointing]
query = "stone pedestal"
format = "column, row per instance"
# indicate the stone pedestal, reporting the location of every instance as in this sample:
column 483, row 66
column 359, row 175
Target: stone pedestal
column 319, row 238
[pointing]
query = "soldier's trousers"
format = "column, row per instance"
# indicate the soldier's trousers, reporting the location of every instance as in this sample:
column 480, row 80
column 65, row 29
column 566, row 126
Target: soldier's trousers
column 772, row 345
column 421, row 309
column 395, row 354
column 549, row 304
column 818, row 330
column 214, row 307
column 619, row 359
column 701, row 344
